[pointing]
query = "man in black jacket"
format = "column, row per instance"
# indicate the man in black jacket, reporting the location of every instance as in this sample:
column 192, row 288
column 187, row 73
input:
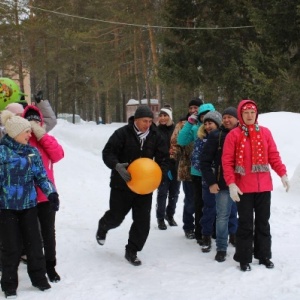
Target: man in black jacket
column 139, row 138
column 212, row 172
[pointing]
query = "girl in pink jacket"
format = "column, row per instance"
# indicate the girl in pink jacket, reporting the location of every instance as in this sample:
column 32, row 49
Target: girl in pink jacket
column 51, row 152
column 249, row 151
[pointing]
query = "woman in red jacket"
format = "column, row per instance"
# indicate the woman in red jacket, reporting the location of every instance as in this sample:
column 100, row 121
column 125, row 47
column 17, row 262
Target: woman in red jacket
column 51, row 152
column 249, row 151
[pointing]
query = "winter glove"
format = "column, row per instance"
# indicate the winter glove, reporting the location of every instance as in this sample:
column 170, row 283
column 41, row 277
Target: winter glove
column 121, row 168
column 38, row 97
column 285, row 182
column 193, row 119
column 54, row 201
column 37, row 129
column 234, row 192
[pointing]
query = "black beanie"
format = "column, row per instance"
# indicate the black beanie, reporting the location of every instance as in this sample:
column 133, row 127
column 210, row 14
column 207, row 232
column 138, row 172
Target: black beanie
column 195, row 101
column 232, row 111
column 32, row 115
column 143, row 111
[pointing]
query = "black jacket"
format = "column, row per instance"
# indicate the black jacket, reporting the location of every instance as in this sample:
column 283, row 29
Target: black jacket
column 124, row 147
column 212, row 156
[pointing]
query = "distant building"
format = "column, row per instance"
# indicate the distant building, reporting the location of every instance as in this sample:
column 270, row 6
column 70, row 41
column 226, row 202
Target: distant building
column 132, row 105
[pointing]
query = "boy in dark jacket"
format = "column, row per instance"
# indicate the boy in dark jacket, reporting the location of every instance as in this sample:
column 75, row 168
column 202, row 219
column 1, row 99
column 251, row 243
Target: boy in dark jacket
column 137, row 139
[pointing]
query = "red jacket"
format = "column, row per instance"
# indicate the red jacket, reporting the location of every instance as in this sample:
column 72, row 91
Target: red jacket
column 250, row 182
column 50, row 150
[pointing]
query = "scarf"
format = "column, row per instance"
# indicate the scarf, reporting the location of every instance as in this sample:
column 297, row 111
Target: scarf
column 259, row 159
column 141, row 135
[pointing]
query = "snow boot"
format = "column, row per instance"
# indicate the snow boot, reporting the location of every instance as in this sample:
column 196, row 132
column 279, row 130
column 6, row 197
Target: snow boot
column 171, row 220
column 189, row 234
column 101, row 234
column 267, row 263
column 51, row 272
column 220, row 256
column 161, row 224
column 10, row 294
column 130, row 255
column 245, row 267
column 43, row 285
column 206, row 246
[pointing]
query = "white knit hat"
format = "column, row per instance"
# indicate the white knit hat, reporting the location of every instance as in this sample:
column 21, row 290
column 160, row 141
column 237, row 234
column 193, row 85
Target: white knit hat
column 14, row 125
column 15, row 108
column 166, row 111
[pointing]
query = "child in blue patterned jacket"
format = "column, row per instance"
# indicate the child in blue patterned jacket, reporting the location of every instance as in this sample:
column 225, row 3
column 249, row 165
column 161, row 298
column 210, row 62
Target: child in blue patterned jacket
column 21, row 170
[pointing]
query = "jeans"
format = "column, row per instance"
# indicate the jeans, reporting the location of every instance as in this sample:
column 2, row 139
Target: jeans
column 209, row 210
column 188, row 207
column 226, row 219
column 167, row 189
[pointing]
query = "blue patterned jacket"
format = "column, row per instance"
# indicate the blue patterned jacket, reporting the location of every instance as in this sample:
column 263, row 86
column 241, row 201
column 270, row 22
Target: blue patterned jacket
column 21, row 169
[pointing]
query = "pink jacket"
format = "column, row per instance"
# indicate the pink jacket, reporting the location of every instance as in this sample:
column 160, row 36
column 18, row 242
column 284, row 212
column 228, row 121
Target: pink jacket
column 250, row 182
column 50, row 150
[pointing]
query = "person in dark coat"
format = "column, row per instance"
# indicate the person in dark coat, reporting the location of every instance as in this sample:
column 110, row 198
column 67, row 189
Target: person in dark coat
column 170, row 186
column 137, row 139
column 212, row 172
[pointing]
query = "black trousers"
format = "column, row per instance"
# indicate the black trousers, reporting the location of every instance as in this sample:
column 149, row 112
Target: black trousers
column 198, row 200
column 260, row 205
column 121, row 202
column 17, row 227
column 46, row 216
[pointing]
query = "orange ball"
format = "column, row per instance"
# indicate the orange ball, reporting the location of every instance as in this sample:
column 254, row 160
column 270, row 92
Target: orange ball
column 145, row 174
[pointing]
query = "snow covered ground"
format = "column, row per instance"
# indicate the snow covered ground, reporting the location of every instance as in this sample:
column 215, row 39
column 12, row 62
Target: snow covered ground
column 173, row 267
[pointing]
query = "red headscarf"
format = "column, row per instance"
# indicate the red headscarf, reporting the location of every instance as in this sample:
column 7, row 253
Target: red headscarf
column 259, row 159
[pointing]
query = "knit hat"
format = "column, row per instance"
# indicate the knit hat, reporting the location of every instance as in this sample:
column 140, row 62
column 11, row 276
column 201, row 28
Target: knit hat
column 15, row 108
column 143, row 111
column 195, row 101
column 32, row 115
column 166, row 111
column 214, row 116
column 14, row 125
column 232, row 111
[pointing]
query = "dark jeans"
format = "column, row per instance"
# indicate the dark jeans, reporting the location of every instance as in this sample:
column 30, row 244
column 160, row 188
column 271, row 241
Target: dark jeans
column 198, row 202
column 167, row 189
column 120, row 203
column 189, row 206
column 15, row 227
column 46, row 216
column 260, row 204
column 209, row 210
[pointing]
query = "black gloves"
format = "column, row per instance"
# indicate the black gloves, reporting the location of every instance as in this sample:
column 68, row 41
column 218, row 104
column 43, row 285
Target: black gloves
column 54, row 201
column 121, row 168
column 38, row 97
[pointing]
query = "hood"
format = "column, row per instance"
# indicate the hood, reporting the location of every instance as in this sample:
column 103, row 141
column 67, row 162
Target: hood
column 205, row 108
column 33, row 107
column 239, row 110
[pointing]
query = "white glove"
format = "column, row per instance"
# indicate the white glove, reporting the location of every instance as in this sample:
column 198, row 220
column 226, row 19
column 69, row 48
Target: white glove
column 37, row 130
column 285, row 182
column 234, row 192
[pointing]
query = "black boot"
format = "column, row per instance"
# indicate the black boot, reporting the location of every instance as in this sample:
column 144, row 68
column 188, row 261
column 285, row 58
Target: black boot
column 101, row 234
column 245, row 267
column 206, row 246
column 42, row 285
column 189, row 234
column 220, row 256
column 50, row 268
column 10, row 294
column 161, row 224
column 267, row 263
column 171, row 220
column 130, row 255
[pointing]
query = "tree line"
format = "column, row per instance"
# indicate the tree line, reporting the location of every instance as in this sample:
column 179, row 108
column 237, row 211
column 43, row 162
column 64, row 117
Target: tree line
column 90, row 57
